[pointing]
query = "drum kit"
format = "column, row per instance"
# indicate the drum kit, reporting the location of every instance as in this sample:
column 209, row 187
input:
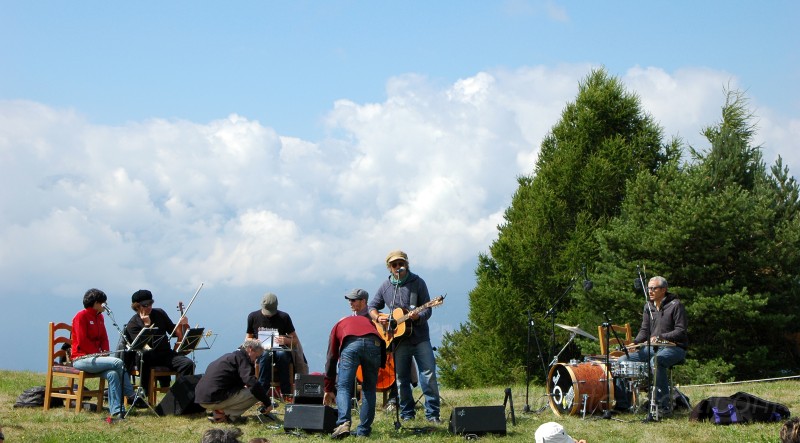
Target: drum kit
column 585, row 387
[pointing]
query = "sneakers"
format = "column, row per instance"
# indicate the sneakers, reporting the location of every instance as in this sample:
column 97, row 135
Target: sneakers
column 341, row 431
column 391, row 406
column 434, row 420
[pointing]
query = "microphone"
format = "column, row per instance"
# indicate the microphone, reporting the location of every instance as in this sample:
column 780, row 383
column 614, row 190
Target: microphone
column 107, row 309
column 587, row 284
column 400, row 269
column 637, row 284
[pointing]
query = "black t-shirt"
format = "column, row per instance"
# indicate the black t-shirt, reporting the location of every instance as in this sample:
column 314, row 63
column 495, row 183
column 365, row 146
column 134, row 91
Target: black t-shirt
column 280, row 321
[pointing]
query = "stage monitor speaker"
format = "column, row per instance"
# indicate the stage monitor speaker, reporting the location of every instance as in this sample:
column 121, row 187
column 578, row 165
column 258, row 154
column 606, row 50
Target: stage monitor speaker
column 478, row 420
column 309, row 389
column 180, row 398
column 311, row 418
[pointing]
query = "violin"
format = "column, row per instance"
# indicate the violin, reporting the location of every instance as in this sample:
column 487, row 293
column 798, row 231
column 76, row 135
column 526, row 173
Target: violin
column 180, row 329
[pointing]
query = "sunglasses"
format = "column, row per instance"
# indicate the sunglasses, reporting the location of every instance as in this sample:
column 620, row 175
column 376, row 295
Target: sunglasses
column 653, row 288
column 146, row 303
column 397, row 264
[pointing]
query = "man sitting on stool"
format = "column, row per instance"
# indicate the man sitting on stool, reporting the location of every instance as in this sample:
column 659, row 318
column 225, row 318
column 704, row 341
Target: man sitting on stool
column 668, row 324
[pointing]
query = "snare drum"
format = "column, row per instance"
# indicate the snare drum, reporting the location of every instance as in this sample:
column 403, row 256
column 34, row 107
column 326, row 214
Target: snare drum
column 568, row 383
column 636, row 370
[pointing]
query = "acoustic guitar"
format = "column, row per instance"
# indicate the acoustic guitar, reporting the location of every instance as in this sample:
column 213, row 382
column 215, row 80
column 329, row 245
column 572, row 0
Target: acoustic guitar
column 397, row 326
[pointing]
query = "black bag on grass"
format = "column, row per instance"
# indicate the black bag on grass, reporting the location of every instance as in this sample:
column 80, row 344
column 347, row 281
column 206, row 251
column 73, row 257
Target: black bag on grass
column 740, row 407
column 34, row 398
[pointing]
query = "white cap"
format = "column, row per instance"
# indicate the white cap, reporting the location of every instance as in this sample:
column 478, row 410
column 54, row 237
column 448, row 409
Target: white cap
column 552, row 432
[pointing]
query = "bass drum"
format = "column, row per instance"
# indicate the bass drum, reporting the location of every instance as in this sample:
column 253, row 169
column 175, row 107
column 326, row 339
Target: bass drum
column 568, row 383
column 385, row 374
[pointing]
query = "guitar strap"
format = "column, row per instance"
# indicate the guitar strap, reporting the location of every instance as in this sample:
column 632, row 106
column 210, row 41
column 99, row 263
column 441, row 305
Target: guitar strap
column 413, row 296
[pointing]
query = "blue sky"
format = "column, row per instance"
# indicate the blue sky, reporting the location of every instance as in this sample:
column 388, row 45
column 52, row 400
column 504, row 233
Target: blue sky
column 288, row 146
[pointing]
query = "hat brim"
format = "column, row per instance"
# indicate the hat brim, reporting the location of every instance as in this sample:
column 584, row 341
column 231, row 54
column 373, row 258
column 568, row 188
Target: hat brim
column 267, row 312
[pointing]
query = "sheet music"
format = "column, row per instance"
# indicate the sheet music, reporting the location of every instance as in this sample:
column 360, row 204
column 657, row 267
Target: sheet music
column 268, row 339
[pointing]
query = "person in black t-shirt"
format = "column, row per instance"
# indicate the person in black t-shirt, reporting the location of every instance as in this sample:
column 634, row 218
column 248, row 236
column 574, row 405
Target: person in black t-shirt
column 278, row 323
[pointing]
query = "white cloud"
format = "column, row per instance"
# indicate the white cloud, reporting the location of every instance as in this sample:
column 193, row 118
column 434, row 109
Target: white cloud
column 430, row 169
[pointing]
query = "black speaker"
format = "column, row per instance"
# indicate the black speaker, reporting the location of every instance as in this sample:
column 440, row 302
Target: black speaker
column 478, row 420
column 180, row 398
column 309, row 389
column 311, row 418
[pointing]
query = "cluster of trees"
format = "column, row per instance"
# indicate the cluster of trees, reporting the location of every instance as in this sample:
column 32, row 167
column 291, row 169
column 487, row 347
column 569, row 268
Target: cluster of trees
column 608, row 192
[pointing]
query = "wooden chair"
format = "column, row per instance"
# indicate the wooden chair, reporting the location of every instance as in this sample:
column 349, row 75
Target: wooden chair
column 625, row 338
column 74, row 388
column 152, row 387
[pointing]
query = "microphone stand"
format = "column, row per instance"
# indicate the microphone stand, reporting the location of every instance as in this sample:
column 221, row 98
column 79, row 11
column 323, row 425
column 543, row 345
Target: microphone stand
column 531, row 325
column 127, row 345
column 392, row 326
column 652, row 414
column 552, row 314
column 607, row 415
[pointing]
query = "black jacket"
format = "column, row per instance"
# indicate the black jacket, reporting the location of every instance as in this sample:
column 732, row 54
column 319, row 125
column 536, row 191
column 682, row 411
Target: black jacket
column 226, row 376
column 669, row 323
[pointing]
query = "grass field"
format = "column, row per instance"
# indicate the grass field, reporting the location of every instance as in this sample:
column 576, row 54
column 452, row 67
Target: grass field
column 59, row 425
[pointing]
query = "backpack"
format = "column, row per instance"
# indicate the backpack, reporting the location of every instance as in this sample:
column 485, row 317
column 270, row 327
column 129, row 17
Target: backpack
column 740, row 407
column 34, row 398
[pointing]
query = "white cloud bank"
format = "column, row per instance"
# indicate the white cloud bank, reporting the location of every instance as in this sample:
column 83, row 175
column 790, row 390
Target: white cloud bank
column 430, row 169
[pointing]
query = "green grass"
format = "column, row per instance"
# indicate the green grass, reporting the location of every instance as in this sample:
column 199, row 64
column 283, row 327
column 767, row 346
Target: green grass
column 59, row 425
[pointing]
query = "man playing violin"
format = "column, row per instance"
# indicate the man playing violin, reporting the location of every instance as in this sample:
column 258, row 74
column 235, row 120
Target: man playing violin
column 160, row 353
column 668, row 327
column 406, row 290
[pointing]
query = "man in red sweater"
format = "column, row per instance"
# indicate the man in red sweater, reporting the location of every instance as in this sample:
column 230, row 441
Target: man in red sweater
column 353, row 342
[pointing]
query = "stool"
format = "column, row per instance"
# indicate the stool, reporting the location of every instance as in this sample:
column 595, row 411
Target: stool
column 672, row 387
column 152, row 387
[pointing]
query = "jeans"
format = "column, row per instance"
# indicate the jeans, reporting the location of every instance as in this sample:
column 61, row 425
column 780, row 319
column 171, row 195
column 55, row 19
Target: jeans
column 364, row 351
column 113, row 371
column 282, row 361
column 662, row 359
column 423, row 356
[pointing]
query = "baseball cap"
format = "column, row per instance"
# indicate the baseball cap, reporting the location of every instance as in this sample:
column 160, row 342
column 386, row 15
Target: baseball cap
column 269, row 304
column 357, row 294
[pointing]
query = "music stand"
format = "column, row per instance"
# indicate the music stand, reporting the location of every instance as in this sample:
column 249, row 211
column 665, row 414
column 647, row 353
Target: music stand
column 191, row 339
column 139, row 343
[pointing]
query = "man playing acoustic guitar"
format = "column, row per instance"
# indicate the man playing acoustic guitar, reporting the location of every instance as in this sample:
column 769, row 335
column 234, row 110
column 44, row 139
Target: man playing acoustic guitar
column 410, row 337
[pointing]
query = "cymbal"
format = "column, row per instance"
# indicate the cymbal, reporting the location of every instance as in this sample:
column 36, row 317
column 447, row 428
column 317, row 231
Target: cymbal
column 577, row 330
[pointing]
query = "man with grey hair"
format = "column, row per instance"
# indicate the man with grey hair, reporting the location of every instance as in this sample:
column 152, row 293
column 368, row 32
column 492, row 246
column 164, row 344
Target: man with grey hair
column 663, row 333
column 230, row 387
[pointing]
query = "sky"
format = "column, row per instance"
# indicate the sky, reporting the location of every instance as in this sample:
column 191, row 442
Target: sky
column 287, row 147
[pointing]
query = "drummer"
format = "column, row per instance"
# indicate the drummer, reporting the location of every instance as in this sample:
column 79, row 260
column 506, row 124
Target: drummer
column 668, row 326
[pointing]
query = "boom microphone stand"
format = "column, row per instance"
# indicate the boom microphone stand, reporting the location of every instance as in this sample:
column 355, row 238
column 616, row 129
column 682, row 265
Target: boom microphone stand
column 531, row 325
column 552, row 314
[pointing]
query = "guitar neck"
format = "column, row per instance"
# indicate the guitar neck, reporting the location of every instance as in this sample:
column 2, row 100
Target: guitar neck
column 435, row 302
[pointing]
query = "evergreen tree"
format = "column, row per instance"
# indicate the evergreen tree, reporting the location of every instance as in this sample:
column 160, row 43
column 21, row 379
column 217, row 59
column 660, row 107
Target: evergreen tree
column 602, row 139
column 725, row 234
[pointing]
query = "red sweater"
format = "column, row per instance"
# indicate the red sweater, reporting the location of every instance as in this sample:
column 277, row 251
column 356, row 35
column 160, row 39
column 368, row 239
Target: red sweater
column 88, row 333
column 353, row 326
